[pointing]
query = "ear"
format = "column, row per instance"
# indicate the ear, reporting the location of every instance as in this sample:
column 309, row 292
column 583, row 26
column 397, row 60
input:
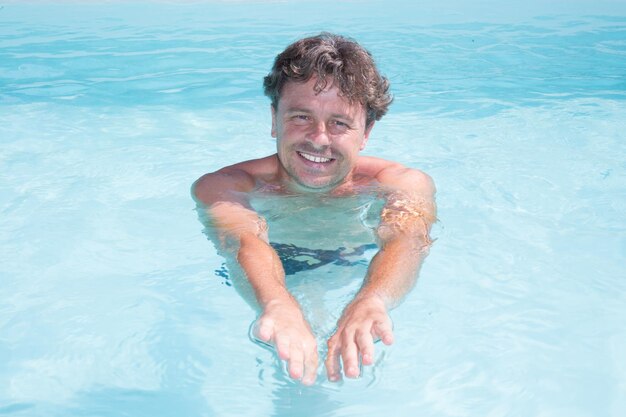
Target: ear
column 273, row 120
column 366, row 136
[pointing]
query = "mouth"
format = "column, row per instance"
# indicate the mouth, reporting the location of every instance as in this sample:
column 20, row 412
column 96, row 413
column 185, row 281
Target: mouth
column 316, row 159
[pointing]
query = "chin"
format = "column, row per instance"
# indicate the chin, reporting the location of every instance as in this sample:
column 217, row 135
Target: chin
column 313, row 185
column 303, row 181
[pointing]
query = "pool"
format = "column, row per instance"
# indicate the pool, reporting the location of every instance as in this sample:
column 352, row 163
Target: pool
column 113, row 302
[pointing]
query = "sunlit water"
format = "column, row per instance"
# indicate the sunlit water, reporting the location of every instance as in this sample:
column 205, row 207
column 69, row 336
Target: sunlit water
column 113, row 302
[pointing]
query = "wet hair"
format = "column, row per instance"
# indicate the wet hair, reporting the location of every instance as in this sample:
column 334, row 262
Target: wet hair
column 342, row 60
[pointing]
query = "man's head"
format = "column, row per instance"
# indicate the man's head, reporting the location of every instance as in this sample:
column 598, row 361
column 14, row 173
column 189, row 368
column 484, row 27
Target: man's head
column 331, row 58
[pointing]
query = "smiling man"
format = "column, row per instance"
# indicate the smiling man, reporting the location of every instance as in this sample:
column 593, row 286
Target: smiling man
column 326, row 95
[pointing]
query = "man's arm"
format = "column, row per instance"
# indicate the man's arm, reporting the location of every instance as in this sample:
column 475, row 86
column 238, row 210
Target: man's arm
column 241, row 230
column 404, row 239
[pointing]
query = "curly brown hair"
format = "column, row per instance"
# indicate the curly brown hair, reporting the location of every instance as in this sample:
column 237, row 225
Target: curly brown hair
column 343, row 60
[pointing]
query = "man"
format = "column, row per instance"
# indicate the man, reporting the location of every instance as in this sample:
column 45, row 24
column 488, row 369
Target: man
column 326, row 95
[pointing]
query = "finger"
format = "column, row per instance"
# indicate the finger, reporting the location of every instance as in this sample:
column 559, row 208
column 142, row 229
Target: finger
column 383, row 330
column 310, row 366
column 365, row 345
column 296, row 361
column 263, row 330
column 333, row 367
column 350, row 357
column 282, row 347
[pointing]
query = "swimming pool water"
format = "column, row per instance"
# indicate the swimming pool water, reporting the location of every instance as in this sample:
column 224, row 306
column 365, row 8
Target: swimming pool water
column 113, row 302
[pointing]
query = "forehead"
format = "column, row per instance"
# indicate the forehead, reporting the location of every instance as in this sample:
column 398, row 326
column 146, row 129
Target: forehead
column 303, row 95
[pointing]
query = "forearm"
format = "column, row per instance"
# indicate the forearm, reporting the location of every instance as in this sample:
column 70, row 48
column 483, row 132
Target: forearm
column 393, row 271
column 264, row 270
column 281, row 322
column 391, row 275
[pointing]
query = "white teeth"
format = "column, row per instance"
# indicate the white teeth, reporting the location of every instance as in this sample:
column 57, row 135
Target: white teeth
column 316, row 159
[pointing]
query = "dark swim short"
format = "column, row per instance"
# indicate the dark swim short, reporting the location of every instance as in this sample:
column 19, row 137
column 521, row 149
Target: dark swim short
column 296, row 259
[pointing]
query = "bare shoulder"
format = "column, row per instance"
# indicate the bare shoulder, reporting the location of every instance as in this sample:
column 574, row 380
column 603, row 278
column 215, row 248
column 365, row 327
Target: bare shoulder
column 213, row 186
column 399, row 177
column 238, row 178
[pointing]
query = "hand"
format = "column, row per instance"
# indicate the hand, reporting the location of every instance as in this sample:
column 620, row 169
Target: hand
column 283, row 325
column 363, row 322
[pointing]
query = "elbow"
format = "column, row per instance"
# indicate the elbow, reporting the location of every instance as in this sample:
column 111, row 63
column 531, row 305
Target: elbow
column 253, row 248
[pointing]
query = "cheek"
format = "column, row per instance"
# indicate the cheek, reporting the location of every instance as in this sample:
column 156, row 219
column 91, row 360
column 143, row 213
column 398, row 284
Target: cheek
column 362, row 145
column 354, row 148
column 290, row 129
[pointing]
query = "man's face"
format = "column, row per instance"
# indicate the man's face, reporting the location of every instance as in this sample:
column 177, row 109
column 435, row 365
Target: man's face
column 319, row 136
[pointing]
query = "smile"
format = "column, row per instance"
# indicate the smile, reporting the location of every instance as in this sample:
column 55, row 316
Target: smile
column 315, row 158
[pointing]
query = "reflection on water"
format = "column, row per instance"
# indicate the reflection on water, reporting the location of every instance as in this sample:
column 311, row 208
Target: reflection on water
column 288, row 395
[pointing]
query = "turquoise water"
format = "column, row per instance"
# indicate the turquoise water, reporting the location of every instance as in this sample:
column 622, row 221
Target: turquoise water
column 113, row 302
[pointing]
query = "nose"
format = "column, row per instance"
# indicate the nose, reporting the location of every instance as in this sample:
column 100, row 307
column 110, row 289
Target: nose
column 318, row 134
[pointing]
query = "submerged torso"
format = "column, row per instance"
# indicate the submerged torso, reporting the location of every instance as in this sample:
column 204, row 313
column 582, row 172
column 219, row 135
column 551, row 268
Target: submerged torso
column 320, row 221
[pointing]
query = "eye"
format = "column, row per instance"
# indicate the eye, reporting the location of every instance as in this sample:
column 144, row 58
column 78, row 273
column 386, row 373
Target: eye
column 300, row 118
column 339, row 126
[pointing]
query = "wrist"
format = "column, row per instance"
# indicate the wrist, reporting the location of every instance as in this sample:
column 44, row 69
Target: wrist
column 282, row 302
column 371, row 297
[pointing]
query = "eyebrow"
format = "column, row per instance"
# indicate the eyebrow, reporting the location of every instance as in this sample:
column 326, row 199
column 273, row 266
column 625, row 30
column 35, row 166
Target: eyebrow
column 297, row 110
column 292, row 110
column 343, row 116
